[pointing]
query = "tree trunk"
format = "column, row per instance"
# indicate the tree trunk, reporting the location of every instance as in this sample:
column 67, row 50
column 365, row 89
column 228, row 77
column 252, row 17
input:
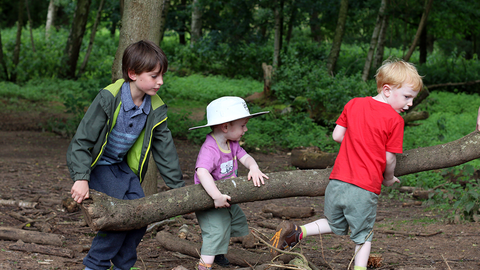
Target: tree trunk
column 337, row 40
column 140, row 20
column 149, row 183
column 163, row 19
column 106, row 213
column 2, row 60
column 74, row 42
column 423, row 46
column 50, row 18
column 18, row 41
column 31, row 25
column 374, row 40
column 423, row 21
column 183, row 27
column 315, row 29
column 196, row 31
column 377, row 62
column 277, row 43
column 291, row 21
column 92, row 38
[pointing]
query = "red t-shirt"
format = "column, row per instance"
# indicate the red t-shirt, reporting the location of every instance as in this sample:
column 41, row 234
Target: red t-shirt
column 373, row 128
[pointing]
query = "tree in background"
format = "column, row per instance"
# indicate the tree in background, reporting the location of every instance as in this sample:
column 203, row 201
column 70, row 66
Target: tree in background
column 421, row 25
column 140, row 20
column 74, row 42
column 337, row 40
column 18, row 41
column 196, row 28
column 92, row 38
column 375, row 39
column 52, row 8
column 163, row 20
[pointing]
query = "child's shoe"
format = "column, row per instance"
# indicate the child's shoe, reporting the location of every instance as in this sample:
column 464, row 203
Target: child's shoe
column 286, row 236
column 222, row 260
column 202, row 267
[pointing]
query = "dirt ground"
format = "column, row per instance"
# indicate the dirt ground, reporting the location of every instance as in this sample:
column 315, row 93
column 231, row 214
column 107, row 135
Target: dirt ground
column 33, row 169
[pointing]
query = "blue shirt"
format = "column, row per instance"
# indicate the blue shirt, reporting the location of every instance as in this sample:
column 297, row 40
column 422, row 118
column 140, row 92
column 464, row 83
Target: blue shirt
column 130, row 123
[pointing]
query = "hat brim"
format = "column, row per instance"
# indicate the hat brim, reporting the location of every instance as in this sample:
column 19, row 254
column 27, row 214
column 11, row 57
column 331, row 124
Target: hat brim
column 214, row 124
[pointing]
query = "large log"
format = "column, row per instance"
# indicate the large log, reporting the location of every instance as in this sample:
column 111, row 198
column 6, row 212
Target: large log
column 7, row 233
column 105, row 213
column 235, row 256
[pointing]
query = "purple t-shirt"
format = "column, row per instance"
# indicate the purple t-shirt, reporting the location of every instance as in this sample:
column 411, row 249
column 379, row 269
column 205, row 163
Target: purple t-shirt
column 221, row 164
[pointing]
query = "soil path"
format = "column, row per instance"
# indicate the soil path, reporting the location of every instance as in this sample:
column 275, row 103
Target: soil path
column 32, row 165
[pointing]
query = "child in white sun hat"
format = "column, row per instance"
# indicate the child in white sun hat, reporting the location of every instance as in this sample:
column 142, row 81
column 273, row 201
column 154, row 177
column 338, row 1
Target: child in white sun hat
column 217, row 160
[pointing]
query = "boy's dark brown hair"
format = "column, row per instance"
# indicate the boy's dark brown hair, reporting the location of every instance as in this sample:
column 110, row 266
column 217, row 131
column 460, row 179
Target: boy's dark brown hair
column 143, row 56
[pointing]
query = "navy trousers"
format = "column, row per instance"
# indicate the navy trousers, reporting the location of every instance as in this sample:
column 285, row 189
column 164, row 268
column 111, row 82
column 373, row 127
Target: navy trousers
column 119, row 248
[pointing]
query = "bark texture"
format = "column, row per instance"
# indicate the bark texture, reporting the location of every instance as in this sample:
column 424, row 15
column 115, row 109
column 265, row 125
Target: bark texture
column 196, row 29
column 374, row 40
column 74, row 41
column 140, row 20
column 423, row 21
column 50, row 18
column 337, row 40
column 106, row 213
column 7, row 233
column 439, row 156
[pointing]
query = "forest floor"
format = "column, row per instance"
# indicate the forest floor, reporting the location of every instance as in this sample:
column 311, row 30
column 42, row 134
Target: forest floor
column 33, row 169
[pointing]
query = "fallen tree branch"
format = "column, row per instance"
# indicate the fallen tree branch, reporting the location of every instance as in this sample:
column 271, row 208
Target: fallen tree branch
column 106, row 213
column 55, row 251
column 452, row 84
column 103, row 212
column 235, row 256
column 22, row 204
column 408, row 233
column 7, row 233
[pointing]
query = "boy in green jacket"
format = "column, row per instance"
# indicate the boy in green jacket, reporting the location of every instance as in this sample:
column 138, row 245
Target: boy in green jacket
column 111, row 148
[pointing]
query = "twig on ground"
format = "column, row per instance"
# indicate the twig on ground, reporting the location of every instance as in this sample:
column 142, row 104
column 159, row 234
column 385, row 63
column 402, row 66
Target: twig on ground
column 409, row 234
column 321, row 245
column 259, row 235
column 446, row 262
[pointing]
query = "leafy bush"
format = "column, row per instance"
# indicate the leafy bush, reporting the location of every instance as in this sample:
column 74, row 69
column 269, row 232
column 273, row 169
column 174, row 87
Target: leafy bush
column 205, row 89
column 45, row 61
column 324, row 94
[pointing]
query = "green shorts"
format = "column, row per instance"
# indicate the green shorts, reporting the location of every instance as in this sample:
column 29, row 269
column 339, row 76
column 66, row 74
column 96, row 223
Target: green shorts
column 348, row 206
column 218, row 225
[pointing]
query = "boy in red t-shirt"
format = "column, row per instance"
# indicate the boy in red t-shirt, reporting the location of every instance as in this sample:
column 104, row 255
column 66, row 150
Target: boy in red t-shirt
column 370, row 131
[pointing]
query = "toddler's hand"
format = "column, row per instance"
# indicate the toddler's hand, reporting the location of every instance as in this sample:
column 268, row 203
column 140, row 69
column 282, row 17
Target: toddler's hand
column 390, row 182
column 257, row 177
column 222, row 201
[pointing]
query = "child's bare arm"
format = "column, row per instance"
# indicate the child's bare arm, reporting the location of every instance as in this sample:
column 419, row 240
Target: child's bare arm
column 206, row 179
column 388, row 177
column 80, row 191
column 478, row 119
column 338, row 133
column 254, row 172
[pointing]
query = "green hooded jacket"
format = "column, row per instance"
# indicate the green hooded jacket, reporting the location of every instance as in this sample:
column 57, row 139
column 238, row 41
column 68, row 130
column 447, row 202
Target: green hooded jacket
column 87, row 146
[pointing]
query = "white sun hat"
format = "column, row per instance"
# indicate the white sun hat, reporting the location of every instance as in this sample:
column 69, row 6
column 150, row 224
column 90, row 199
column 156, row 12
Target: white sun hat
column 227, row 109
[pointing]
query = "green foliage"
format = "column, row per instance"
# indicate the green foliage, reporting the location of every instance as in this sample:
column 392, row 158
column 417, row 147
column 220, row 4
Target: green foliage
column 210, row 57
column 45, row 61
column 205, row 89
column 460, row 199
column 326, row 94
